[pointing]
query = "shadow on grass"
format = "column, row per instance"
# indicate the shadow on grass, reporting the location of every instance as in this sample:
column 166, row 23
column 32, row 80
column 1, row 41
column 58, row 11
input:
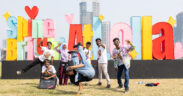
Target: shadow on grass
column 56, row 91
column 30, row 83
column 110, row 89
column 64, row 92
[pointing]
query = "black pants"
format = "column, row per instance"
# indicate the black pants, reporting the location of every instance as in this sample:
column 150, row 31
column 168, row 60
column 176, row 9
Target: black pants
column 65, row 64
column 81, row 78
column 34, row 63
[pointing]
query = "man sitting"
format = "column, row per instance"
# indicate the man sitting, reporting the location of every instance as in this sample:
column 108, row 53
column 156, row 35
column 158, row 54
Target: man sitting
column 48, row 73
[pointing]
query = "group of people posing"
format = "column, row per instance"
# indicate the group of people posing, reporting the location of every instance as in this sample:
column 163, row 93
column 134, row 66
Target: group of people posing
column 81, row 70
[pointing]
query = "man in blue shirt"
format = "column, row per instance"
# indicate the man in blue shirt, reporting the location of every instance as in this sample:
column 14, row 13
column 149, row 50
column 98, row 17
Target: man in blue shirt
column 80, row 72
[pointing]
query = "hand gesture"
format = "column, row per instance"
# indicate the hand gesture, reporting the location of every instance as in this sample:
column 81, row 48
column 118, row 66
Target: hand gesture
column 46, row 78
column 116, row 69
column 60, row 44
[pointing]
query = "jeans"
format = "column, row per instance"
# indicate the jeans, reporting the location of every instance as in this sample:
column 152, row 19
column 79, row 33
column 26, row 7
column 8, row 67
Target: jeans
column 119, row 76
column 87, row 70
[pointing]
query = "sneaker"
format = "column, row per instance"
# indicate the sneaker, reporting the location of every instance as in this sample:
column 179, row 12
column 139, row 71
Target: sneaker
column 99, row 84
column 126, row 90
column 119, row 87
column 78, row 94
column 79, row 44
column 108, row 86
column 86, row 84
column 19, row 72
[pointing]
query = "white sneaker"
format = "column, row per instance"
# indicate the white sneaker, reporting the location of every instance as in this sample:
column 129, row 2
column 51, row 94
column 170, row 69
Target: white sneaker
column 126, row 90
column 19, row 72
column 119, row 88
column 86, row 84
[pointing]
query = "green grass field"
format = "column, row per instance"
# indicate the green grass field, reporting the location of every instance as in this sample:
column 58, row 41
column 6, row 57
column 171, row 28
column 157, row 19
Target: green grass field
column 167, row 87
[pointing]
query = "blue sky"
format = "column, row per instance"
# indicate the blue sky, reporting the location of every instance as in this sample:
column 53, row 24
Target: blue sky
column 113, row 10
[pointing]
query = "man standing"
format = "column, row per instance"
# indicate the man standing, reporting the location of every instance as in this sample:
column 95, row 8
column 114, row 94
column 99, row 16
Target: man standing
column 119, row 54
column 48, row 53
column 88, row 52
column 102, row 63
column 88, row 55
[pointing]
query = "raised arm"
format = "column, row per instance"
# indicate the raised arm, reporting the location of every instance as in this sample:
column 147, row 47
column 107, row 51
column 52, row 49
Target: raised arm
column 40, row 43
column 56, row 48
column 52, row 58
column 58, row 45
column 103, row 46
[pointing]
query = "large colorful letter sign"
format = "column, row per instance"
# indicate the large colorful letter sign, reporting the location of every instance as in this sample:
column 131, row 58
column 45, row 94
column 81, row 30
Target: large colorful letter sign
column 44, row 44
column 97, row 33
column 30, row 27
column 178, row 50
column 136, row 29
column 32, row 12
column 37, row 29
column 171, row 21
column 146, row 37
column 22, row 30
column 21, row 50
column 75, row 33
column 163, row 46
column 30, row 50
column 62, row 39
column 11, row 52
column 70, row 18
column 125, row 30
column 49, row 28
column 87, row 33
column 12, row 23
column 6, row 15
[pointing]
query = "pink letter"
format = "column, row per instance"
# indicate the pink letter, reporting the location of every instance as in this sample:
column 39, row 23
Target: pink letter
column 49, row 28
column 115, row 32
column 30, row 48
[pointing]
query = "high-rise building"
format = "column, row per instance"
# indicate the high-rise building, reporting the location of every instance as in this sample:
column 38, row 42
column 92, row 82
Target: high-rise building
column 83, row 11
column 105, row 33
column 89, row 18
column 85, row 16
column 4, row 44
column 0, row 55
column 96, row 8
column 178, row 30
column 3, row 50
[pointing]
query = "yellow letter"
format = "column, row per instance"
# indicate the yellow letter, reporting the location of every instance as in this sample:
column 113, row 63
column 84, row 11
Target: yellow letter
column 146, row 36
column 11, row 52
column 87, row 33
column 22, row 28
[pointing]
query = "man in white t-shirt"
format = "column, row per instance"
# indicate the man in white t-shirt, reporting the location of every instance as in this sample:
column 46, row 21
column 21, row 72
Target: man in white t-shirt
column 48, row 53
column 88, row 52
column 88, row 55
column 102, row 63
